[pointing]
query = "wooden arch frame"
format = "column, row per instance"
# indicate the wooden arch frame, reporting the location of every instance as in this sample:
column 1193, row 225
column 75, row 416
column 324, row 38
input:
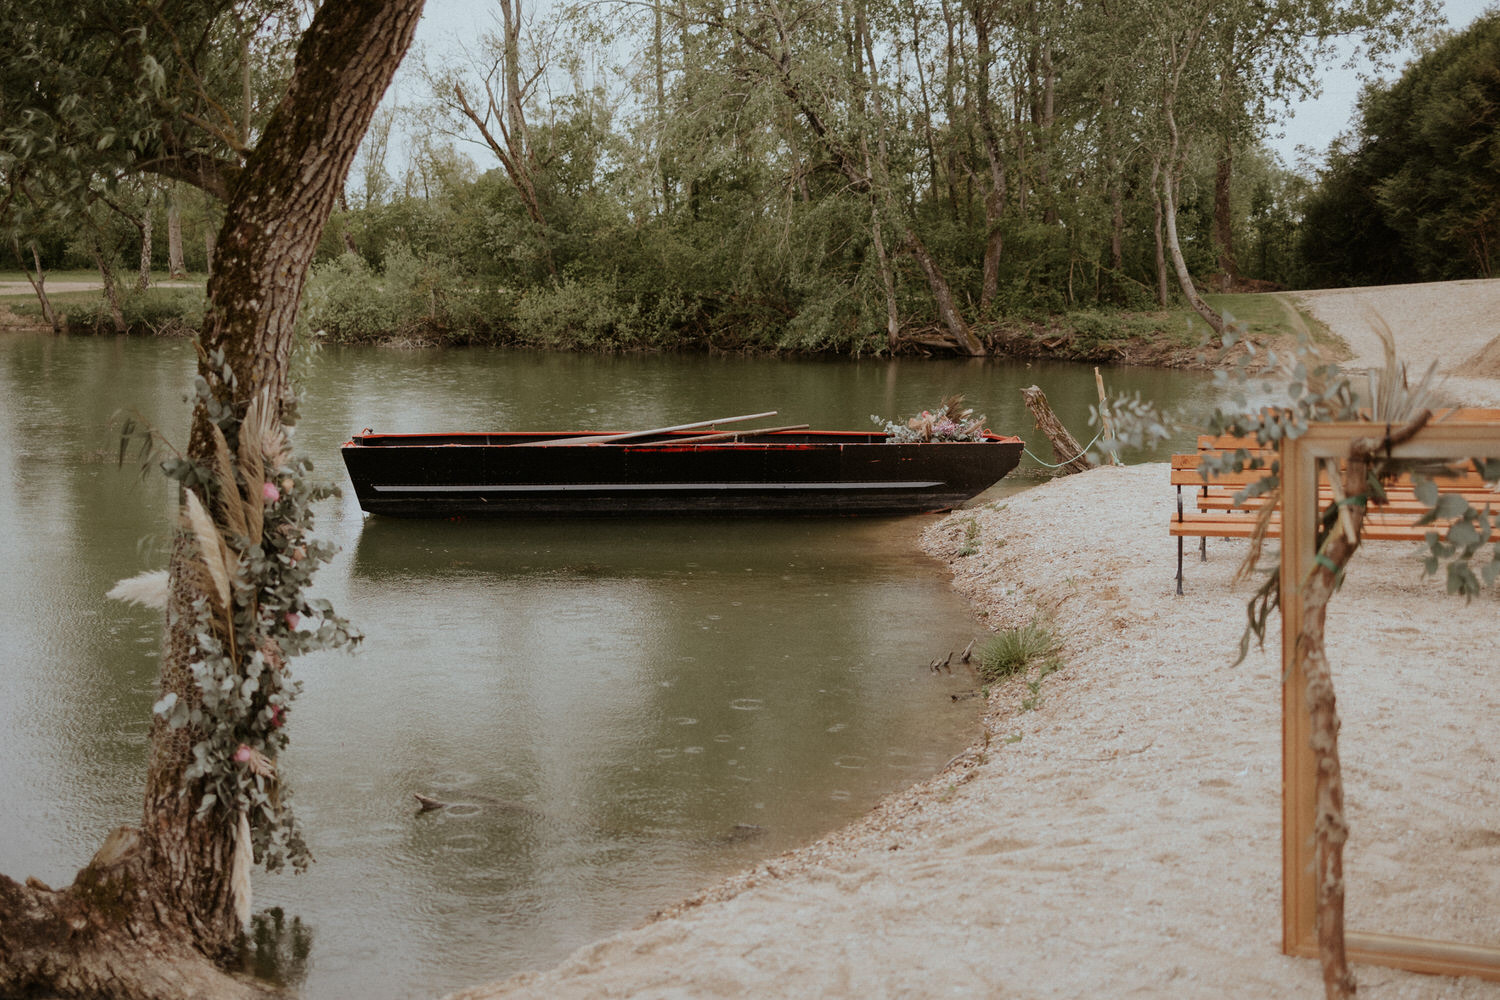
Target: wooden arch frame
column 1299, row 470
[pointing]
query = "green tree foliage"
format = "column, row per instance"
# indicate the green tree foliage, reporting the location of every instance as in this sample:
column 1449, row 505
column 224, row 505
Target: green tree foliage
column 1414, row 193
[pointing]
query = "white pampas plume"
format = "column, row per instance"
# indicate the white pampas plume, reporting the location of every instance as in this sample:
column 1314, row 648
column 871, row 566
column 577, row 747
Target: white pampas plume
column 148, row 589
column 239, row 870
column 210, row 546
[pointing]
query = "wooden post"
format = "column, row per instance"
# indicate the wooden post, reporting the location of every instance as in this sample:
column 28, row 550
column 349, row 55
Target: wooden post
column 1068, row 452
column 1472, row 433
column 1109, row 430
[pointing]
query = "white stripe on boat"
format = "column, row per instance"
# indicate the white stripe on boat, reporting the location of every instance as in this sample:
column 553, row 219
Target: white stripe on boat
column 623, row 487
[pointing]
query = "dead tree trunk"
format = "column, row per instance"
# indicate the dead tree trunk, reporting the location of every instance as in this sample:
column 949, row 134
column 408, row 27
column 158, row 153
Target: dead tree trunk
column 1070, row 455
column 154, row 913
column 176, row 269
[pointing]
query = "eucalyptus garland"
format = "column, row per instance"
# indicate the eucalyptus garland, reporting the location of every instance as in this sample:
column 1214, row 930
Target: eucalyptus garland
column 248, row 515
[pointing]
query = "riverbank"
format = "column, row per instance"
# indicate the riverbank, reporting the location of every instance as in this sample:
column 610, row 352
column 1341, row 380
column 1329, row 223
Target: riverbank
column 1122, row 837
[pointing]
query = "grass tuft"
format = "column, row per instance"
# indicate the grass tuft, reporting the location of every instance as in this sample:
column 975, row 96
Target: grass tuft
column 1014, row 651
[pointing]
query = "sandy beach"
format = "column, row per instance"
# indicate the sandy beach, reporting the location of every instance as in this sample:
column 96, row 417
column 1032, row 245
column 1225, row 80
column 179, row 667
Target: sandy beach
column 1121, row 836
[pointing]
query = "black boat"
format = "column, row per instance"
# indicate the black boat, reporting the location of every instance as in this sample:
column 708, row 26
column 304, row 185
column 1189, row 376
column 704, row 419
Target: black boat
column 669, row 471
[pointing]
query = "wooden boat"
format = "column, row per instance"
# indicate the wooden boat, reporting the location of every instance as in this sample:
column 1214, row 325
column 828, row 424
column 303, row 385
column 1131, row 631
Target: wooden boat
column 669, row 471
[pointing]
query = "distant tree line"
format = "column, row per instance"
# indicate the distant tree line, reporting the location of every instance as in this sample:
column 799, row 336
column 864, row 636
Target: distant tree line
column 1413, row 192
column 862, row 176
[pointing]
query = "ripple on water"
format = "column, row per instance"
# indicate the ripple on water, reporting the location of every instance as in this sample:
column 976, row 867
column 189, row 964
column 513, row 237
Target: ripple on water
column 464, row 843
column 747, row 704
column 452, row 779
column 852, row 761
column 685, row 720
column 462, row 810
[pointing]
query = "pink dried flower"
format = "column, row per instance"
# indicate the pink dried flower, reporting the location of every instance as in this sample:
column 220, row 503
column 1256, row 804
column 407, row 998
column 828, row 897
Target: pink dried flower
column 270, row 492
column 293, row 620
column 243, row 754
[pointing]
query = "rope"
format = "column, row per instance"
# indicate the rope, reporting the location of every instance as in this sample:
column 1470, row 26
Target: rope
column 1075, row 458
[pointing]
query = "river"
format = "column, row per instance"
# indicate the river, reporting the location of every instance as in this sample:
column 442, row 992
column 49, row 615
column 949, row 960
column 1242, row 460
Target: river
column 618, row 711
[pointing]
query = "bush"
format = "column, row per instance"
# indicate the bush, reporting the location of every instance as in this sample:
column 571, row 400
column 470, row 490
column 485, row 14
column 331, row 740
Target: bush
column 154, row 312
column 412, row 297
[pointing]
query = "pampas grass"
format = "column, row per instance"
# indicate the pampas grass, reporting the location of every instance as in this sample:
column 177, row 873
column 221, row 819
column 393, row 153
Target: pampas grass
column 148, row 589
column 212, row 553
column 239, row 874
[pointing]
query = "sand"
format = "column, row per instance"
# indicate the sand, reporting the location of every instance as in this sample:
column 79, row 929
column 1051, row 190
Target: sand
column 1121, row 836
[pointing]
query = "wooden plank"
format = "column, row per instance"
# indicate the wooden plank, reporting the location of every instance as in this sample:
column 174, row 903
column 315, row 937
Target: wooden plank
column 1298, row 775
column 628, row 435
column 1299, row 892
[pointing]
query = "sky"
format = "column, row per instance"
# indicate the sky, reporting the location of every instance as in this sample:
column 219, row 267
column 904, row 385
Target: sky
column 1314, row 124
column 1304, row 135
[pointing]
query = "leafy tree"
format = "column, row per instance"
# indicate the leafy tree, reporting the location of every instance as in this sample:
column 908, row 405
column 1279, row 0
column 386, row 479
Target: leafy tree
column 1418, row 182
column 110, row 90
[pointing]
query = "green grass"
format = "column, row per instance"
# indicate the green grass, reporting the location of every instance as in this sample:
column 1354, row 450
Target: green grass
column 1263, row 315
column 1015, row 651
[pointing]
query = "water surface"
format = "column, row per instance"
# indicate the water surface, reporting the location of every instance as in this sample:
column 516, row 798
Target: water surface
column 618, row 711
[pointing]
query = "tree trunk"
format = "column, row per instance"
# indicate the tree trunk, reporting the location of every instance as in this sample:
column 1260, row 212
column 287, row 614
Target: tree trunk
column 994, row 202
column 1184, row 279
column 176, row 269
column 38, row 282
column 210, row 247
column 111, row 288
column 1224, row 216
column 887, row 279
column 144, row 281
column 1071, row 456
column 1366, row 462
column 154, row 911
column 942, row 295
column 1162, row 297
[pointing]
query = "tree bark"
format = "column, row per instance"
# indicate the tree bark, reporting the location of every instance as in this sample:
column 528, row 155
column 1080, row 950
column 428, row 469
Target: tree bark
column 1223, row 216
column 1070, row 455
column 176, row 269
column 1184, row 279
column 143, row 282
column 38, row 282
column 1331, row 829
column 994, row 202
column 153, row 914
column 942, row 295
column 111, row 287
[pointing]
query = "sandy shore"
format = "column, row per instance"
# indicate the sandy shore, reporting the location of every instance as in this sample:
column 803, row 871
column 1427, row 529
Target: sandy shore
column 1122, row 837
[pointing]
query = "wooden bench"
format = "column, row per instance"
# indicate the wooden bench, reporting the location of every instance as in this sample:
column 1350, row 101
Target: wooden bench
column 1222, row 511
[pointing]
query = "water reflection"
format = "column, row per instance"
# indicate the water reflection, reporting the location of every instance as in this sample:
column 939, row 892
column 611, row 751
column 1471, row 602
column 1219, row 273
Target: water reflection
column 615, row 712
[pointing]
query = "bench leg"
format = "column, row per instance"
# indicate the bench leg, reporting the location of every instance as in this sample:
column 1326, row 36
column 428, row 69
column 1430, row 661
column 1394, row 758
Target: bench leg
column 1203, row 549
column 1179, row 543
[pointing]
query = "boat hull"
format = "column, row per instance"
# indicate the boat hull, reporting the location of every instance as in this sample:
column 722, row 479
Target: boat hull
column 811, row 473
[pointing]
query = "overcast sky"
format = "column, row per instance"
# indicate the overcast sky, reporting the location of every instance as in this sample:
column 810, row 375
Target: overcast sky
column 1313, row 124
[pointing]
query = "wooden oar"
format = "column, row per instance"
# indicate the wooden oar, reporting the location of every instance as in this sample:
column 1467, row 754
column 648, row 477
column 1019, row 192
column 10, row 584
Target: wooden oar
column 627, row 435
column 702, row 438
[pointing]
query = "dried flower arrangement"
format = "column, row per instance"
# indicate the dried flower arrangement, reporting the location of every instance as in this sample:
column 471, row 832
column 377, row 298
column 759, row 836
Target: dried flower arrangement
column 952, row 421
